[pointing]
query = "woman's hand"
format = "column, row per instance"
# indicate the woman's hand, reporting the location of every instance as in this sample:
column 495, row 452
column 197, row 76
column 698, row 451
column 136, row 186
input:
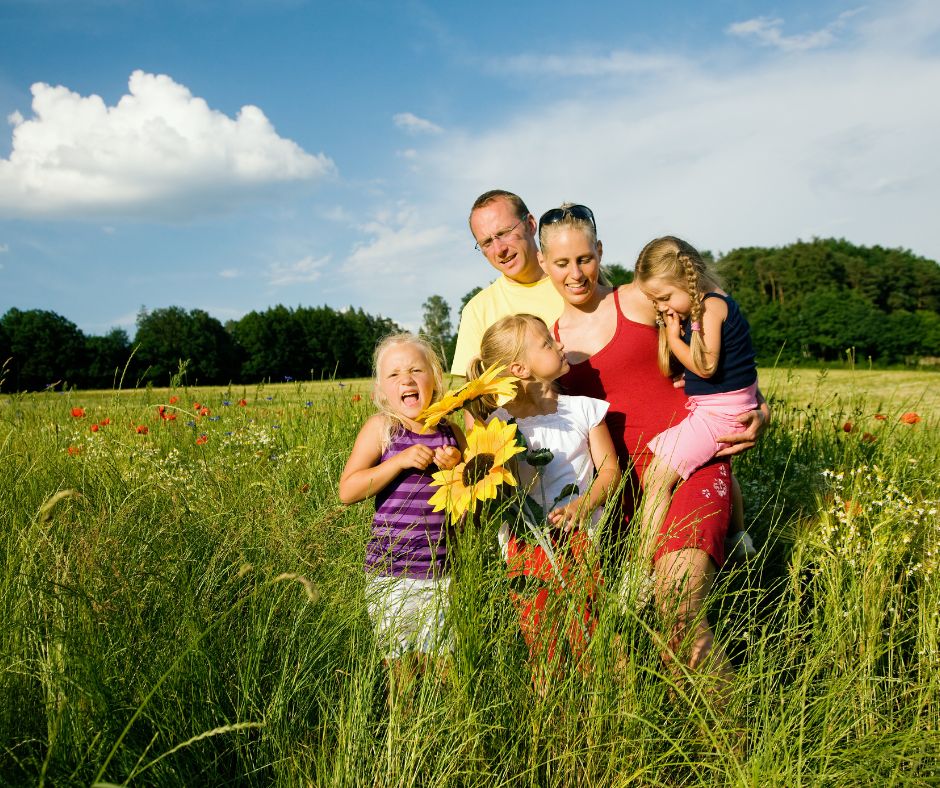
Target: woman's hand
column 755, row 421
column 447, row 457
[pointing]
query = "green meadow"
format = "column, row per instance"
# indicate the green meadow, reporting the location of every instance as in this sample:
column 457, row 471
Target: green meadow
column 183, row 605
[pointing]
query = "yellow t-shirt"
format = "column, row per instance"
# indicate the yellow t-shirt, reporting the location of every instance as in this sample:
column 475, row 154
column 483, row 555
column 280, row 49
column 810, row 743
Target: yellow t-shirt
column 503, row 297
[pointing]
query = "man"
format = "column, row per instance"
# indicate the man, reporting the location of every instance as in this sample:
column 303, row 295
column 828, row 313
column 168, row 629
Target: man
column 505, row 232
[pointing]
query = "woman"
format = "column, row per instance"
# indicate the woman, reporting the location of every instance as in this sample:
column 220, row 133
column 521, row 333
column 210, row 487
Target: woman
column 611, row 341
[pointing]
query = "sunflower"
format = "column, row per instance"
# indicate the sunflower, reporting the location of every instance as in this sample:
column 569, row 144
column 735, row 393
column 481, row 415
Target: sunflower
column 481, row 473
column 490, row 383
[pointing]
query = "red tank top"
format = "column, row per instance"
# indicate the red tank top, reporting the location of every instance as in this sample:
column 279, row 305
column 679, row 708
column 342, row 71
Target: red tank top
column 625, row 373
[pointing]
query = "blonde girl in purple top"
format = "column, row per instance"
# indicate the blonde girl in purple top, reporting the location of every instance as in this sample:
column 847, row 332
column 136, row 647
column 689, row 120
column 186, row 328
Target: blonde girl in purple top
column 392, row 460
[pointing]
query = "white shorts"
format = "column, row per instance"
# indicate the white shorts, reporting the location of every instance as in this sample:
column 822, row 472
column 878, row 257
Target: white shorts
column 408, row 614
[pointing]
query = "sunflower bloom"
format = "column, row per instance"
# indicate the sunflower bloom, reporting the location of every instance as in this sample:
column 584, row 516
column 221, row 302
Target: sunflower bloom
column 483, row 470
column 490, row 383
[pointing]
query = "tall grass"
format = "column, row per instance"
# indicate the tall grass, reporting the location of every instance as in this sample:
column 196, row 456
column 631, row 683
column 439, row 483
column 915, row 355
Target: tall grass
column 183, row 613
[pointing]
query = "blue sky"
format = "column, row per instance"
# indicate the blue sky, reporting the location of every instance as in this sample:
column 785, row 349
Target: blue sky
column 230, row 156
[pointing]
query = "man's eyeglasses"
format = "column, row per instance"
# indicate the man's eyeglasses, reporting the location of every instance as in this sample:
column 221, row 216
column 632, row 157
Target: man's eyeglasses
column 555, row 215
column 487, row 243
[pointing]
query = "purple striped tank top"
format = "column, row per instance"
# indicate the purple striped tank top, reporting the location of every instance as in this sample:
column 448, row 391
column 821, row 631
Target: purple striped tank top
column 408, row 539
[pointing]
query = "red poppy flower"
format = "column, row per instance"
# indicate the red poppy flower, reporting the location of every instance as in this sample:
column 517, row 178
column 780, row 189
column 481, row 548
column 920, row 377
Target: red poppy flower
column 356, row 397
column 105, row 421
column 867, row 437
column 142, row 429
column 243, row 402
column 161, row 409
column 174, row 399
column 204, row 412
column 909, row 418
column 73, row 451
column 848, row 426
column 78, row 413
column 196, row 406
column 202, row 439
column 170, row 417
column 880, row 416
column 94, row 428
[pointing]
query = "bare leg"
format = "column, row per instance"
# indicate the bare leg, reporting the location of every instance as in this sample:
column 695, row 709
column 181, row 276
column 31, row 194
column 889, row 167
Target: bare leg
column 658, row 483
column 683, row 581
column 636, row 585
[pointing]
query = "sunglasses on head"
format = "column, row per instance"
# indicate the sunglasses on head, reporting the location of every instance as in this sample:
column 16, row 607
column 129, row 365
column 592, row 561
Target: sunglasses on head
column 555, row 215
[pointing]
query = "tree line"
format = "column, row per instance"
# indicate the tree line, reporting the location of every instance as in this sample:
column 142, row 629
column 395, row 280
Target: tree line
column 819, row 300
column 808, row 301
column 43, row 349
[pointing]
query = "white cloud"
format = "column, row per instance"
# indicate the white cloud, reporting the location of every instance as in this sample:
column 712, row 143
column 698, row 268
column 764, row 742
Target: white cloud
column 160, row 152
column 230, row 273
column 767, row 31
column 415, row 125
column 4, row 248
column 409, row 255
column 308, row 269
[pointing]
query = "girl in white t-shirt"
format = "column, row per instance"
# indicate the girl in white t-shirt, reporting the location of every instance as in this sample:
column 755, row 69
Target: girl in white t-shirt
column 571, row 488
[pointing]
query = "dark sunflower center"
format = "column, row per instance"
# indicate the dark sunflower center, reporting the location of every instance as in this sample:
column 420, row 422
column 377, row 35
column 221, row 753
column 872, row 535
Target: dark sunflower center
column 476, row 469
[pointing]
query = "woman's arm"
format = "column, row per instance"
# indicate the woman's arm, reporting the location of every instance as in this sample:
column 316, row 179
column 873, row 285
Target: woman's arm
column 756, row 421
column 606, row 480
column 364, row 475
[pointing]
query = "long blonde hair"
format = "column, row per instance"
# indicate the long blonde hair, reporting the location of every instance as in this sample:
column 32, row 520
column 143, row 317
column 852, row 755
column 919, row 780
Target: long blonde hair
column 393, row 421
column 503, row 343
column 679, row 263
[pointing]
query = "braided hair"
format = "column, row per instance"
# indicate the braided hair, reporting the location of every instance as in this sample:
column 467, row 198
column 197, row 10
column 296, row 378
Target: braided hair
column 678, row 262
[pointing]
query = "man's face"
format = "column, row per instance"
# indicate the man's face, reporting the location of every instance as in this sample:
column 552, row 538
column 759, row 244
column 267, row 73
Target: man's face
column 507, row 242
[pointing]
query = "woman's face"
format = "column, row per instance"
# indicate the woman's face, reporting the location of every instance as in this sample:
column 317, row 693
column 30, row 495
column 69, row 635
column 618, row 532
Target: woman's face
column 573, row 263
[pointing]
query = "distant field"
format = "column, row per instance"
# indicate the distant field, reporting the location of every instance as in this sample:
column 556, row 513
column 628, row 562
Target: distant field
column 881, row 390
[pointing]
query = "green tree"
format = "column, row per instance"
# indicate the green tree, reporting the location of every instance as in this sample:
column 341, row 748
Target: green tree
column 166, row 337
column 617, row 275
column 107, row 357
column 272, row 345
column 45, row 348
column 436, row 328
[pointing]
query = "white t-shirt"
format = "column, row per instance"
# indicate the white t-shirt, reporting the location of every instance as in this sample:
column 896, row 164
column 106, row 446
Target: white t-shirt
column 565, row 432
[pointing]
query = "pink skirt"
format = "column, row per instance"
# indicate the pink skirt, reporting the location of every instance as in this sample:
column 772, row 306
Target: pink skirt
column 694, row 440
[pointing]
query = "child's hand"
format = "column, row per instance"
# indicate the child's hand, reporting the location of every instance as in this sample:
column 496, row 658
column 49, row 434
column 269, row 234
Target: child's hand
column 673, row 325
column 446, row 457
column 570, row 515
column 417, row 456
